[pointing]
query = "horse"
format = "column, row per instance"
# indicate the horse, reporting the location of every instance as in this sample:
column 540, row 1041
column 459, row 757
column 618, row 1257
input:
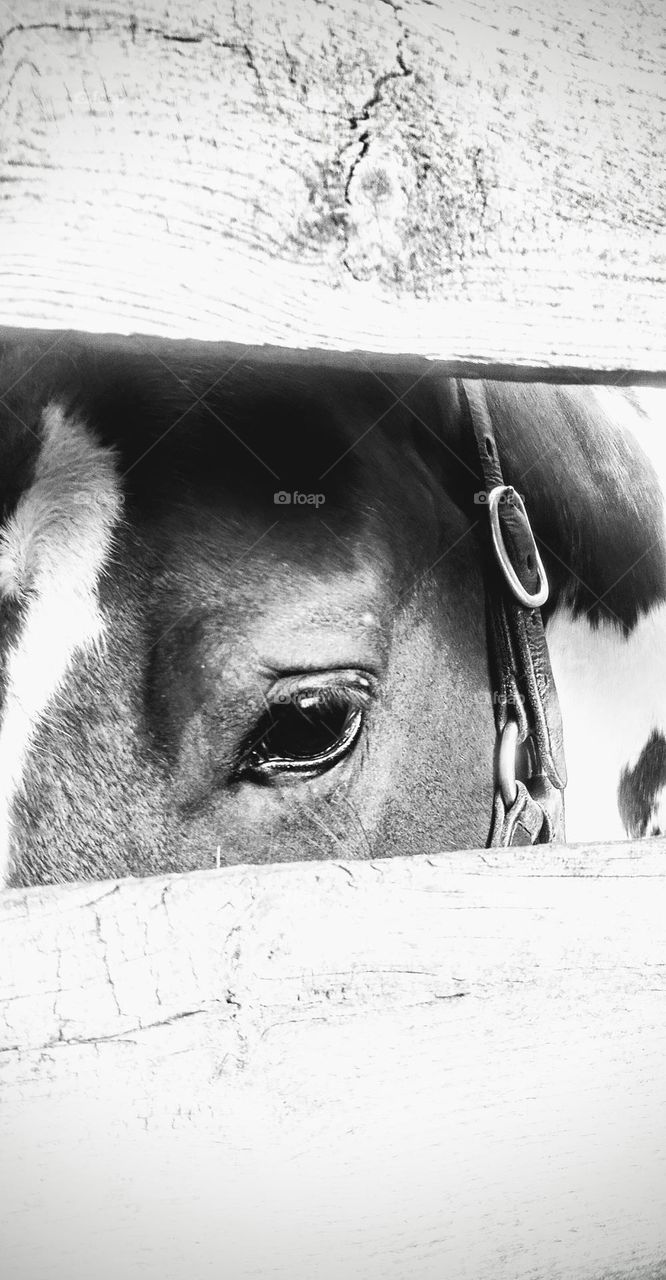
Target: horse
column 243, row 606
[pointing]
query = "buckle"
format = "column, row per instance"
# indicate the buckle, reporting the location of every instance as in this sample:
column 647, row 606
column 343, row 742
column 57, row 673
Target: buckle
column 506, row 493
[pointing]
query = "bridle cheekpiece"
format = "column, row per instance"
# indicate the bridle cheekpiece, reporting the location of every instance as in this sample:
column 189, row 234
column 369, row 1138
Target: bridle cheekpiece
column 527, row 712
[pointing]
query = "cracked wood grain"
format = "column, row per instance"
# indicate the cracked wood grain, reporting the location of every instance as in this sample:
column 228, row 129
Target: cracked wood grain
column 466, row 182
column 421, row 1067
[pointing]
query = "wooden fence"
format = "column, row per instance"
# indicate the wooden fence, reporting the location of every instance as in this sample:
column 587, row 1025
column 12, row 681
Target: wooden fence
column 452, row 179
column 447, row 1066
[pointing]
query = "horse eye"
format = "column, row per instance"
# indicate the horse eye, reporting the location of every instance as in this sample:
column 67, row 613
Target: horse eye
column 305, row 732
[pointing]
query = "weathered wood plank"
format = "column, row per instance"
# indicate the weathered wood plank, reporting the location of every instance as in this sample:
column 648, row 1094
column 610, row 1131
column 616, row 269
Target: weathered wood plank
column 446, row 1066
column 63, row 345
column 469, row 181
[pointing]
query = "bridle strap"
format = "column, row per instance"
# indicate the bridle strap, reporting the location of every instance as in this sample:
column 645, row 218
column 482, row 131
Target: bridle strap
column 525, row 699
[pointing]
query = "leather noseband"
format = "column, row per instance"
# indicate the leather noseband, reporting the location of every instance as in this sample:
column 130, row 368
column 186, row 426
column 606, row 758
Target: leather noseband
column 525, row 699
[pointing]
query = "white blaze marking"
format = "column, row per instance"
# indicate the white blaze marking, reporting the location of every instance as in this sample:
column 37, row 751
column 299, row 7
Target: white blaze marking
column 51, row 553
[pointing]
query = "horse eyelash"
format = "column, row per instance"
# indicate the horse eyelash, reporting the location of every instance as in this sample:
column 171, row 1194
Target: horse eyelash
column 331, row 698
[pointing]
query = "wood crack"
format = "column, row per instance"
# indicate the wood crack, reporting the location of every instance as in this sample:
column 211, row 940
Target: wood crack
column 364, row 117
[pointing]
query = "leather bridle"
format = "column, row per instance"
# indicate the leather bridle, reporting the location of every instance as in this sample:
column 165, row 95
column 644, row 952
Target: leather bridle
column 526, row 707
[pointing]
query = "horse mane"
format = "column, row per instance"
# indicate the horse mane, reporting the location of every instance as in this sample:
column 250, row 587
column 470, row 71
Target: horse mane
column 591, row 468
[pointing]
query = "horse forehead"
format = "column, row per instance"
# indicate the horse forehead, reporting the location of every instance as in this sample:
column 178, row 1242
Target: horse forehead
column 259, row 560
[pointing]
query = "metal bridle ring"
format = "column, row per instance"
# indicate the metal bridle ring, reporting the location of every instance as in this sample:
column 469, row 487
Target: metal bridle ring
column 497, row 495
column 506, row 762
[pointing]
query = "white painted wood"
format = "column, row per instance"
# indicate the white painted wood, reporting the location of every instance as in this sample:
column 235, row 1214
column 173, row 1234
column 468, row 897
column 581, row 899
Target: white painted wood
column 425, row 1068
column 468, row 180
